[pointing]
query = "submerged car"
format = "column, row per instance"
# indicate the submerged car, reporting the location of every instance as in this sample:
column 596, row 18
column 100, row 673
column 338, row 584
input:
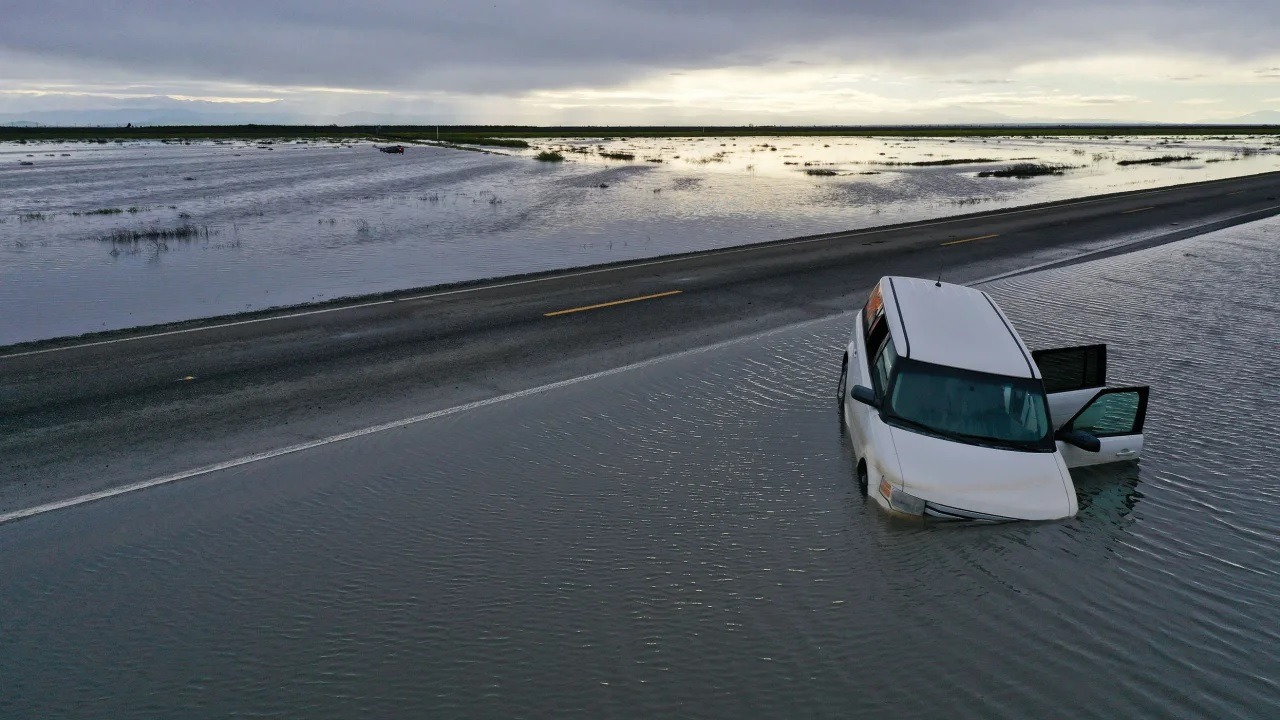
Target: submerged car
column 951, row 416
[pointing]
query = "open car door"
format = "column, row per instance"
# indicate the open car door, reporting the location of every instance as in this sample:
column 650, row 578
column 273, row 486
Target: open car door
column 1075, row 380
column 1072, row 377
column 1115, row 416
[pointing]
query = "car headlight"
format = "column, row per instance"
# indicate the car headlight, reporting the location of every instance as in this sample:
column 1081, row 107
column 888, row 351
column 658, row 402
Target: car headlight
column 901, row 500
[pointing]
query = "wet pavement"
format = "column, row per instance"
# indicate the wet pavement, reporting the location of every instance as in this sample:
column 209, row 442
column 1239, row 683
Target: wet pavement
column 687, row 538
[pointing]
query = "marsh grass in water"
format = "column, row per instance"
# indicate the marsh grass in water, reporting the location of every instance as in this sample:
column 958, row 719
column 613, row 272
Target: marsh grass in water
column 1158, row 160
column 1022, row 171
column 617, row 155
column 549, row 156
column 937, row 163
column 186, row 231
column 716, row 158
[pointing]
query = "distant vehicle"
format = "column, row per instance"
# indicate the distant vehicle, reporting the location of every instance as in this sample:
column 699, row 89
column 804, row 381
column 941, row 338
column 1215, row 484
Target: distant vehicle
column 398, row 149
column 951, row 416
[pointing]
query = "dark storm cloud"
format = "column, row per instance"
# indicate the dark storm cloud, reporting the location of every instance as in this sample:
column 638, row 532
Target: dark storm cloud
column 506, row 45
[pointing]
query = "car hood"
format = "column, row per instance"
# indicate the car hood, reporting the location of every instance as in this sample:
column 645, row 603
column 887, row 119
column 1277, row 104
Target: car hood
column 1006, row 483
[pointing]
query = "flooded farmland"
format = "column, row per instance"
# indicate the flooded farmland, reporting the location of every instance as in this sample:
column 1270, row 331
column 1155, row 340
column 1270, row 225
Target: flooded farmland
column 105, row 236
column 687, row 539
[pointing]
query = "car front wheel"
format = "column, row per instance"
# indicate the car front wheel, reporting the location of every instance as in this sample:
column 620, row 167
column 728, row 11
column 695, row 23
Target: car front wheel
column 843, row 388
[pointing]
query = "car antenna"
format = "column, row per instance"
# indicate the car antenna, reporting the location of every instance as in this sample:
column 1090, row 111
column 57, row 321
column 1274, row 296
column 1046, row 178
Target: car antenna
column 938, row 282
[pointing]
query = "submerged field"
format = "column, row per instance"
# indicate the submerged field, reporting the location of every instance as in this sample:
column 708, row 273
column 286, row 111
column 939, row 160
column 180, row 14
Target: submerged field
column 97, row 236
column 687, row 539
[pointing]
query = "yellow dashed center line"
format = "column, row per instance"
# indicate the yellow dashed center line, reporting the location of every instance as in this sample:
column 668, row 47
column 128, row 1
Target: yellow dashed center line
column 611, row 304
column 980, row 237
column 1126, row 212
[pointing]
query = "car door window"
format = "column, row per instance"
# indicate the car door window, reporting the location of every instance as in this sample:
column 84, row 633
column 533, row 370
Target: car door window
column 1113, row 413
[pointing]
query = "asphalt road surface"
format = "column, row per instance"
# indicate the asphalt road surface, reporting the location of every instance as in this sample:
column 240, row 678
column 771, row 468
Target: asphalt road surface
column 88, row 414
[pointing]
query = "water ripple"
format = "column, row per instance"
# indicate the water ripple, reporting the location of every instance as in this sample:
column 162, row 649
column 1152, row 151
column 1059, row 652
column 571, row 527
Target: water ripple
column 688, row 539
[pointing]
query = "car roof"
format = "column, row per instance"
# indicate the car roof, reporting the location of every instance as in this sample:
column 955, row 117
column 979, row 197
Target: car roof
column 953, row 325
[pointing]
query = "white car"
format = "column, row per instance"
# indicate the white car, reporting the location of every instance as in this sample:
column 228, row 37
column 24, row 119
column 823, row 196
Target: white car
column 951, row 416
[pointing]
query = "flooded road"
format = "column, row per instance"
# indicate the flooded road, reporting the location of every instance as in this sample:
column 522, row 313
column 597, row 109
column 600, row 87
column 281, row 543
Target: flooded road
column 98, row 237
column 687, row 538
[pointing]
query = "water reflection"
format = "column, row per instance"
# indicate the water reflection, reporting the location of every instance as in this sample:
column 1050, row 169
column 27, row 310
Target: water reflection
column 143, row 233
column 1107, row 493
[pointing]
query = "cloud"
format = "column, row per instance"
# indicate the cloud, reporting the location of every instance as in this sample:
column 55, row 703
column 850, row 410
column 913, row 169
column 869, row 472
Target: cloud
column 615, row 61
column 966, row 81
column 1040, row 100
column 137, row 96
column 505, row 46
column 1200, row 101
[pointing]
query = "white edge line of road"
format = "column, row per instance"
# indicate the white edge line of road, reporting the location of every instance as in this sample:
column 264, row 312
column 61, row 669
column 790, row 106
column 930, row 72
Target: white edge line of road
column 268, row 454
column 1116, row 245
column 580, row 273
column 299, row 447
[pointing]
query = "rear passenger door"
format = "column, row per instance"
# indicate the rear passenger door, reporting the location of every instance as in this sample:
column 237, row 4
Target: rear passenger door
column 1115, row 416
column 1072, row 377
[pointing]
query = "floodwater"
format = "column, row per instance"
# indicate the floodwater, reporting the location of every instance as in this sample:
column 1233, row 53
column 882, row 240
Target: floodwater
column 687, row 539
column 215, row 228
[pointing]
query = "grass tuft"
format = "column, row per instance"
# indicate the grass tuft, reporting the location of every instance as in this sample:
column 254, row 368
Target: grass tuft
column 933, row 163
column 1022, row 171
column 617, row 155
column 549, row 156
column 1158, row 160
column 718, row 157
column 186, row 231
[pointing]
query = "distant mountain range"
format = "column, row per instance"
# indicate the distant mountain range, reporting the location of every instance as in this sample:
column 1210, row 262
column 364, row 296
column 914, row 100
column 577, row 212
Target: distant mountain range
column 1262, row 117
column 146, row 116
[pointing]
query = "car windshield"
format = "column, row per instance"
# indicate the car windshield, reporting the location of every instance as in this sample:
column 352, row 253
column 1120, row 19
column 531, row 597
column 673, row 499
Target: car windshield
column 969, row 406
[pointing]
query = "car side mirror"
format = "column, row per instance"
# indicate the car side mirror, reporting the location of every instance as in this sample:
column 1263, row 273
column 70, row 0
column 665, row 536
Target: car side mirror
column 1081, row 439
column 865, row 395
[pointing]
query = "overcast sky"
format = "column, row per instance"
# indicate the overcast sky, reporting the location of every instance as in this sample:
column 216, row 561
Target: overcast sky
column 632, row 61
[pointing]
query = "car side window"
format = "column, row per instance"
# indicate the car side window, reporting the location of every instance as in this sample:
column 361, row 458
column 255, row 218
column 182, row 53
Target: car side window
column 883, row 368
column 1110, row 415
column 873, row 325
column 875, row 338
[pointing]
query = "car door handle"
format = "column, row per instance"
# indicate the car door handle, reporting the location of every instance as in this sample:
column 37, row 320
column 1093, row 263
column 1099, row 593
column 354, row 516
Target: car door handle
column 1125, row 451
